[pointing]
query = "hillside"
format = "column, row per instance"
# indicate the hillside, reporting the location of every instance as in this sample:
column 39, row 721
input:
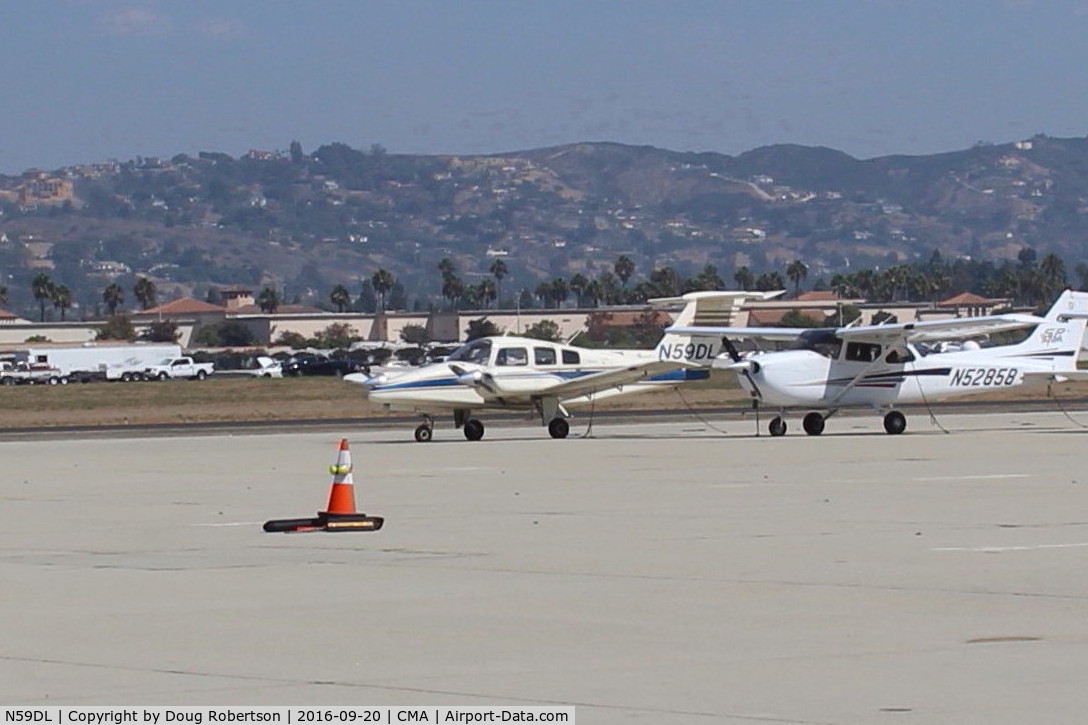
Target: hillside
column 303, row 222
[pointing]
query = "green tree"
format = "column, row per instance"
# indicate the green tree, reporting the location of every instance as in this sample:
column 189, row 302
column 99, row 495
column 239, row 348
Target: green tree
column 623, row 268
column 292, row 339
column 340, row 297
column 337, row 335
column 161, row 331
column 744, row 278
column 415, row 335
column 42, row 288
column 481, row 327
column 3, row 294
column 268, row 300
column 544, row 330
column 382, row 281
column 796, row 271
column 113, row 296
column 498, row 271
column 117, row 327
column 144, row 291
column 62, row 299
column 226, row 333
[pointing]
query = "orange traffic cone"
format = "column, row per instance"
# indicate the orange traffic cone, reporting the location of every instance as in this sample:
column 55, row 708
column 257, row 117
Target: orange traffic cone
column 342, row 491
column 340, row 513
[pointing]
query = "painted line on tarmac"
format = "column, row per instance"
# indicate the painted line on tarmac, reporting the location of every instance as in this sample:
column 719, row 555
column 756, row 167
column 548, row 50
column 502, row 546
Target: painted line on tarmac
column 1000, row 549
column 979, row 477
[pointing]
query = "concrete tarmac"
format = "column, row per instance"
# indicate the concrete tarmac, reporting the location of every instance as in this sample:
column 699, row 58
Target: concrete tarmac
column 664, row 572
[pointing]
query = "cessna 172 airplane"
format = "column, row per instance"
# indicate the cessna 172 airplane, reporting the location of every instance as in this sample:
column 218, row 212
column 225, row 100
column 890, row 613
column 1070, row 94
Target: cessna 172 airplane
column 880, row 366
column 518, row 373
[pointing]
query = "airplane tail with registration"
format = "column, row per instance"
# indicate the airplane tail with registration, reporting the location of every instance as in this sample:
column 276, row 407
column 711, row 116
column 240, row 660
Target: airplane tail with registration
column 702, row 309
column 1058, row 340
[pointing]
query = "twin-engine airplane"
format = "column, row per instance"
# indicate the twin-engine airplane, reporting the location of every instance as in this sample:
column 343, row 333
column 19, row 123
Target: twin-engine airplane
column 881, row 366
column 518, row 373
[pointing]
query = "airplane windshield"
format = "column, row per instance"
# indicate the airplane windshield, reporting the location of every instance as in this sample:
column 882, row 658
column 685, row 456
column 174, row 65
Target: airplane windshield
column 477, row 351
column 824, row 342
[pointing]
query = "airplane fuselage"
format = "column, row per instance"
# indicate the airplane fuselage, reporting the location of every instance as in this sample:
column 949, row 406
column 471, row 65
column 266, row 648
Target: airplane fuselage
column 805, row 378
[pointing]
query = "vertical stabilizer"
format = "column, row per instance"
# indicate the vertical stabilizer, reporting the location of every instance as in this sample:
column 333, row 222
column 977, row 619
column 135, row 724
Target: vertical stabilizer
column 702, row 309
column 1060, row 337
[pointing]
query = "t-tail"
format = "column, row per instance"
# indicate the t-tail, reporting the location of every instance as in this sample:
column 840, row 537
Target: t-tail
column 1059, row 338
column 710, row 309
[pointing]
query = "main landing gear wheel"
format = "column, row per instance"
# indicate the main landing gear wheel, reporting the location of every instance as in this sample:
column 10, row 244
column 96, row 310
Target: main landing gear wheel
column 424, row 433
column 813, row 423
column 558, row 428
column 777, row 427
column 474, row 429
column 895, row 423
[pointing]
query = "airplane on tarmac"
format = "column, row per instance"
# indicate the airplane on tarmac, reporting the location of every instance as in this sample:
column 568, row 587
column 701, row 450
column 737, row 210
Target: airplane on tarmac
column 519, row 373
column 881, row 366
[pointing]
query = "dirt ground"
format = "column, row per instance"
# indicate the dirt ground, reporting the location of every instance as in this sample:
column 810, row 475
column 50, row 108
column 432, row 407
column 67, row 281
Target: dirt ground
column 250, row 399
column 225, row 400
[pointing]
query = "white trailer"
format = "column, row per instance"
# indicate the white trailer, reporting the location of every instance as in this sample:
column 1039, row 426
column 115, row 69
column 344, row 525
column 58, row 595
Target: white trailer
column 109, row 362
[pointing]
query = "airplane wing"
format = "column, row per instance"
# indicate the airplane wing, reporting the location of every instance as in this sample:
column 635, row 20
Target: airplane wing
column 492, row 388
column 927, row 331
column 1056, row 376
column 933, row 330
column 593, row 382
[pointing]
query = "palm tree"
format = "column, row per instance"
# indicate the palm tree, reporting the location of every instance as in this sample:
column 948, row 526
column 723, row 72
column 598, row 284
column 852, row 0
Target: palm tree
column 543, row 292
column 796, row 271
column 62, row 299
column 268, row 300
column 624, row 268
column 560, row 291
column 144, row 291
column 487, row 292
column 498, row 271
column 382, row 281
column 453, row 288
column 340, row 297
column 42, row 287
column 744, row 278
column 578, row 285
column 1052, row 269
column 113, row 296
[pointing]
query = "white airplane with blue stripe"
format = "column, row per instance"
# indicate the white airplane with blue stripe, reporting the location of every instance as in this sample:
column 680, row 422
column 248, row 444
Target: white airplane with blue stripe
column 520, row 373
column 882, row 366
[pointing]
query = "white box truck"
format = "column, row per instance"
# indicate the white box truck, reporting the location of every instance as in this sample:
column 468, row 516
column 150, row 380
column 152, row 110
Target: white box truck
column 100, row 362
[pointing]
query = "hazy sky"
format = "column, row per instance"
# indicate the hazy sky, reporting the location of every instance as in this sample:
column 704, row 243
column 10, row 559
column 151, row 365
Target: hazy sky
column 90, row 80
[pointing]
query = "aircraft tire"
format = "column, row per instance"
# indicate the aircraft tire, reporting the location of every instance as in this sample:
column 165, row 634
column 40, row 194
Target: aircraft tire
column 558, row 428
column 813, row 423
column 895, row 423
column 777, row 427
column 474, row 429
column 424, row 434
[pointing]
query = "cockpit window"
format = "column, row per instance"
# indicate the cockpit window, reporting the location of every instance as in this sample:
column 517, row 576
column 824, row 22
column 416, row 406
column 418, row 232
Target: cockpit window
column 544, row 355
column 824, row 342
column 570, row 357
column 899, row 356
column 862, row 351
column 477, row 351
column 512, row 356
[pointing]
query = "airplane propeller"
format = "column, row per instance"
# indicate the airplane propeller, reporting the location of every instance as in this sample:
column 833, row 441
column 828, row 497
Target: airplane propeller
column 474, row 378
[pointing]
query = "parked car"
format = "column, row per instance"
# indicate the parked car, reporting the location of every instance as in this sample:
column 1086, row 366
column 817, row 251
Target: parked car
column 321, row 366
column 267, row 368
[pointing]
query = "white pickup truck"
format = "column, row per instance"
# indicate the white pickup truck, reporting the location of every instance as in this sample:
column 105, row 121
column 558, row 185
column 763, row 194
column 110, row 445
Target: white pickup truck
column 176, row 368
